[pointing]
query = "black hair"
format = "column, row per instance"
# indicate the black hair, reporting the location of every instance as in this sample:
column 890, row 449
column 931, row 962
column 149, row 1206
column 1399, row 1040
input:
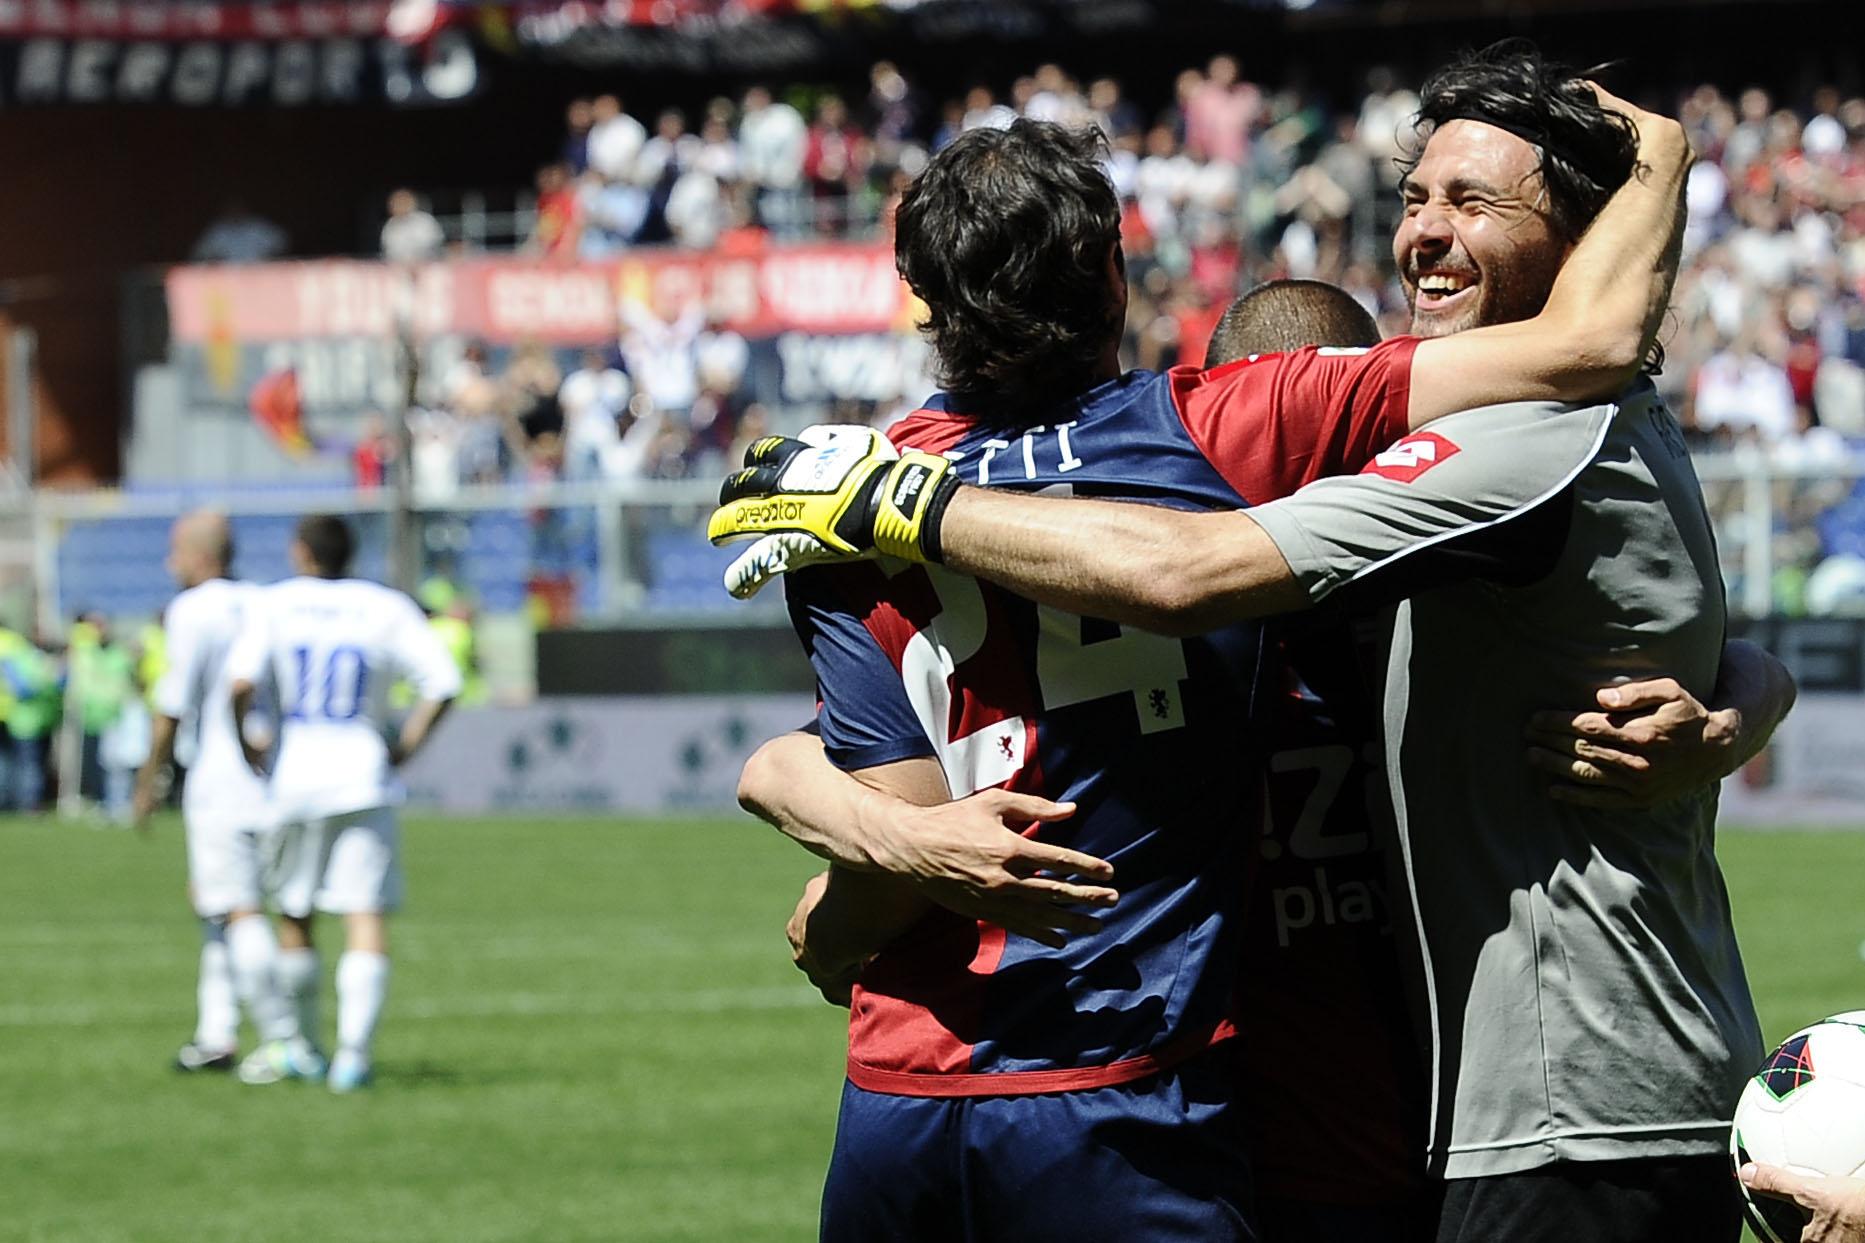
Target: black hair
column 1286, row 315
column 1006, row 236
column 1586, row 152
column 329, row 541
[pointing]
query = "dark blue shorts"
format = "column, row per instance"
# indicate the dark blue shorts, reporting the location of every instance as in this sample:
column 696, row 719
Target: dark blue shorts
column 1160, row 1160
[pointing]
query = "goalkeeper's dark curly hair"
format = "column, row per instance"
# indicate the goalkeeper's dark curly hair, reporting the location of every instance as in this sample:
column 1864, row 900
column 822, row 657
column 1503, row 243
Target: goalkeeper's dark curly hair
column 1586, row 152
column 1006, row 236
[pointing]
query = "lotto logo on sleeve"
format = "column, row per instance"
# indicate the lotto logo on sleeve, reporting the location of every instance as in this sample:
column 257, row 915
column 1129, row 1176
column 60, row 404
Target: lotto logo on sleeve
column 1409, row 458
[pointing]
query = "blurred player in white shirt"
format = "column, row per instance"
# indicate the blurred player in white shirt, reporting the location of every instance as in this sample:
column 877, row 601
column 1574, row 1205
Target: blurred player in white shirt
column 335, row 645
column 223, row 804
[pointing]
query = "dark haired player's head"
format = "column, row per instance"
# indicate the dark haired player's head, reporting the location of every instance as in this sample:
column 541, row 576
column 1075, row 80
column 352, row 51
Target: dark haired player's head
column 1286, row 315
column 322, row 546
column 1012, row 239
column 1517, row 158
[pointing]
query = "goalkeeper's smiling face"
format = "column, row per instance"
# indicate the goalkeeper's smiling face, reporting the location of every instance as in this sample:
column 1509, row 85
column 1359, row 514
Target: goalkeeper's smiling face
column 1477, row 244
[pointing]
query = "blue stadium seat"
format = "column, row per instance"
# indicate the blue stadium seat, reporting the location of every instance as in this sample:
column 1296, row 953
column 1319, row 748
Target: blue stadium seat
column 684, row 571
column 118, row 565
column 1842, row 528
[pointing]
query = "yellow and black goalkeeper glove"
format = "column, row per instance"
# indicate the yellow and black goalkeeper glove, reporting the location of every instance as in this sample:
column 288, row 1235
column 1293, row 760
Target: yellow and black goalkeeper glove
column 839, row 494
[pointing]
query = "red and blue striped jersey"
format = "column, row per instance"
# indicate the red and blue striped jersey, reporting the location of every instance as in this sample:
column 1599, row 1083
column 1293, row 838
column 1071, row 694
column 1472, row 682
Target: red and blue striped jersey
column 1155, row 739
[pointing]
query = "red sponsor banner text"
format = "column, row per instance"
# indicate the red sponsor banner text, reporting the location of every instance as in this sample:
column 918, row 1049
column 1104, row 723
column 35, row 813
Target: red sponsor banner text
column 829, row 289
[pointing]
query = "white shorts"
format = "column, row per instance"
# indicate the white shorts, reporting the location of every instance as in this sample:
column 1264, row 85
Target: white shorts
column 341, row 865
column 227, row 866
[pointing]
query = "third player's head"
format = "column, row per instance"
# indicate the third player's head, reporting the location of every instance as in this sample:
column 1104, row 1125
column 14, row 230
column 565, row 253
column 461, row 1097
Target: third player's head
column 1012, row 239
column 200, row 547
column 1518, row 158
column 1286, row 315
column 322, row 546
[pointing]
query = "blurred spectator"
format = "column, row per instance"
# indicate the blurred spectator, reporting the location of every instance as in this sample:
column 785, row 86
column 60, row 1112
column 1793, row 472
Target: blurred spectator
column 660, row 354
column 578, row 119
column 982, row 109
column 1112, row 112
column 530, row 385
column 615, row 139
column 951, row 124
column 237, row 235
column 1221, row 112
column 720, row 357
column 450, row 616
column 1056, row 97
column 473, row 397
column 30, row 704
column 836, row 162
column 552, row 584
column 670, row 150
column 892, row 111
column 669, row 455
column 103, row 684
column 593, row 399
column 696, row 210
column 437, row 436
column 559, row 215
column 753, row 426
column 641, row 426
column 772, row 141
column 1742, row 394
column 410, row 235
column 613, row 214
column 372, row 453
column 123, row 749
column 717, row 154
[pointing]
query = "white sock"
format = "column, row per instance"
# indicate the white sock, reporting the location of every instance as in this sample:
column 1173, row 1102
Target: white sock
column 299, row 974
column 253, row 947
column 217, row 1020
column 362, row 986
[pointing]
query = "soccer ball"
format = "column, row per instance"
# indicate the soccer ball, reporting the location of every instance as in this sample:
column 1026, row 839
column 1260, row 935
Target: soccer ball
column 1804, row 1111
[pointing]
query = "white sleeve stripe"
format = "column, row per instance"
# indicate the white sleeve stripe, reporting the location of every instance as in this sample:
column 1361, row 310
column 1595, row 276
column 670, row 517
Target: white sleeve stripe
column 1554, row 490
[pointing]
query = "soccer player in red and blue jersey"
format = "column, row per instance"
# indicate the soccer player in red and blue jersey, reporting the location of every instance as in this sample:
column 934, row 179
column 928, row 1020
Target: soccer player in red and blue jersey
column 998, row 1083
column 1334, row 1154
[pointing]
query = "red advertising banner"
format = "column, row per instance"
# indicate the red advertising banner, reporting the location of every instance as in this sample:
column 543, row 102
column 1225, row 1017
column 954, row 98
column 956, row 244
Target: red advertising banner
column 828, row 289
column 201, row 19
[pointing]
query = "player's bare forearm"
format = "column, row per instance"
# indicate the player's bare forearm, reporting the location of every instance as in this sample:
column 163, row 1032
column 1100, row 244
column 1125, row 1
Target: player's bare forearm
column 418, row 728
column 853, row 917
column 1757, row 691
column 790, row 785
column 1604, row 310
column 1164, row 570
column 161, row 751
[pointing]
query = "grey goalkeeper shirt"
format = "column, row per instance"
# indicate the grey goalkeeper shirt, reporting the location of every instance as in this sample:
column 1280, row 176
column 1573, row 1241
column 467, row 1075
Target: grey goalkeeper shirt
column 1581, row 982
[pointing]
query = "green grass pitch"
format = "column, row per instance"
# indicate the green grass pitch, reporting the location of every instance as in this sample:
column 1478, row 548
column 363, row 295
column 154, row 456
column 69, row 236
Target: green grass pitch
column 593, row 1034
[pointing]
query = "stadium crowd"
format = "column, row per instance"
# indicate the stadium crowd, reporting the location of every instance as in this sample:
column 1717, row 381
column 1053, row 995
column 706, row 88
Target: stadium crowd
column 1230, row 183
